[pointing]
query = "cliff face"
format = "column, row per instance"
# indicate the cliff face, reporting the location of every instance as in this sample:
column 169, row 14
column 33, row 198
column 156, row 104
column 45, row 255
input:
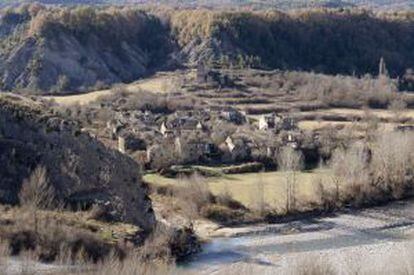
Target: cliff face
column 81, row 169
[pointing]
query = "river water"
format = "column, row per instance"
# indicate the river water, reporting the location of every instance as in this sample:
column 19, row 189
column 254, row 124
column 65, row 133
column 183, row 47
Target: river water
column 259, row 245
column 372, row 231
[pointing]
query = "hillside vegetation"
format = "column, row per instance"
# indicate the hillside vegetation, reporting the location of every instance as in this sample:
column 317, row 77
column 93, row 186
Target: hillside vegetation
column 324, row 41
column 60, row 50
column 257, row 4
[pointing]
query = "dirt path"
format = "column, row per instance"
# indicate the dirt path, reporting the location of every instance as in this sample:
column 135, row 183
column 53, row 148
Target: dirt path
column 364, row 239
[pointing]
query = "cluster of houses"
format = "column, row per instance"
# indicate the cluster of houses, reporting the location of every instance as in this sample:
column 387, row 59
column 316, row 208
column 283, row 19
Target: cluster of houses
column 186, row 136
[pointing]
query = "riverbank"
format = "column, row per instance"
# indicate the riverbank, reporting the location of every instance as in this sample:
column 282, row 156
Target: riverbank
column 353, row 242
column 349, row 240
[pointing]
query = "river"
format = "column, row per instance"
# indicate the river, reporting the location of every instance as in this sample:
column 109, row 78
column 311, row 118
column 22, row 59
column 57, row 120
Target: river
column 369, row 231
column 368, row 239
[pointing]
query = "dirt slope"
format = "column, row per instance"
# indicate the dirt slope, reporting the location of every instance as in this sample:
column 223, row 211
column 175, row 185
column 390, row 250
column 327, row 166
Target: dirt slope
column 81, row 170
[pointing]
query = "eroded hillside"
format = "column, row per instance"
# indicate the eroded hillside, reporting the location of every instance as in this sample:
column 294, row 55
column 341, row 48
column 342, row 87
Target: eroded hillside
column 82, row 171
column 66, row 50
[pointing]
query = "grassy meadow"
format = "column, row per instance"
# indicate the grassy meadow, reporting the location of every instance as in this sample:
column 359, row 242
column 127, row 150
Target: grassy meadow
column 252, row 187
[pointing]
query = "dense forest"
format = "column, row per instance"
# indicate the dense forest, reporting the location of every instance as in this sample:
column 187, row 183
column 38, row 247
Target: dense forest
column 344, row 42
column 59, row 49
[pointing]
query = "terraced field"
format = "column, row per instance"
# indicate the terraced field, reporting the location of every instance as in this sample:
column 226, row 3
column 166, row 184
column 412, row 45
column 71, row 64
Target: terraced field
column 255, row 99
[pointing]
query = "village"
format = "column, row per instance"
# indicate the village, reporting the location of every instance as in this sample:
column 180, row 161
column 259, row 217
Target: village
column 193, row 124
column 212, row 136
column 189, row 137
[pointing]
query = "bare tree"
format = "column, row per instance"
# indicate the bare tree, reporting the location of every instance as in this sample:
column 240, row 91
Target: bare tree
column 36, row 191
column 193, row 195
column 290, row 161
column 392, row 162
column 351, row 168
column 257, row 196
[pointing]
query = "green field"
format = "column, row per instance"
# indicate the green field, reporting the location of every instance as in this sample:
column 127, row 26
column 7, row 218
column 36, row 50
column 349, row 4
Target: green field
column 246, row 188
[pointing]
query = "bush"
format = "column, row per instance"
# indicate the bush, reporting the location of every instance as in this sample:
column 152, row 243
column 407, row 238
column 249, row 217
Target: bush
column 253, row 167
column 376, row 172
column 223, row 214
column 194, row 195
column 351, row 165
column 392, row 163
column 52, row 242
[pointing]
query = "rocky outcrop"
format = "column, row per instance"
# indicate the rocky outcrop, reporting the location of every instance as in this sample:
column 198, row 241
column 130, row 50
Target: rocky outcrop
column 82, row 171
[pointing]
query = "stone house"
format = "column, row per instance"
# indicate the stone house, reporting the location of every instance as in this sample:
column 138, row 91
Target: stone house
column 129, row 142
column 277, row 122
column 164, row 154
column 230, row 144
column 291, row 140
column 238, row 148
column 288, row 124
column 178, row 125
column 267, row 122
column 233, row 115
column 165, row 131
column 198, row 150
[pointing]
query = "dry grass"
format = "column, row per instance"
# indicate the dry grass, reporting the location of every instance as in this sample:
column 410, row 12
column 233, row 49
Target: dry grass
column 156, row 84
column 71, row 239
column 190, row 199
column 134, row 265
column 363, row 174
column 62, row 236
column 241, row 187
column 313, row 266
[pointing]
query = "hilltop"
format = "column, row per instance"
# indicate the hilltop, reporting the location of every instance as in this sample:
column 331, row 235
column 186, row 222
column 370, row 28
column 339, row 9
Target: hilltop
column 258, row 4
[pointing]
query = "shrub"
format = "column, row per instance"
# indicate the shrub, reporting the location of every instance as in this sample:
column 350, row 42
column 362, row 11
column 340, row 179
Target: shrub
column 392, row 163
column 194, row 195
column 52, row 241
column 223, row 214
column 253, row 167
column 351, row 166
column 376, row 172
